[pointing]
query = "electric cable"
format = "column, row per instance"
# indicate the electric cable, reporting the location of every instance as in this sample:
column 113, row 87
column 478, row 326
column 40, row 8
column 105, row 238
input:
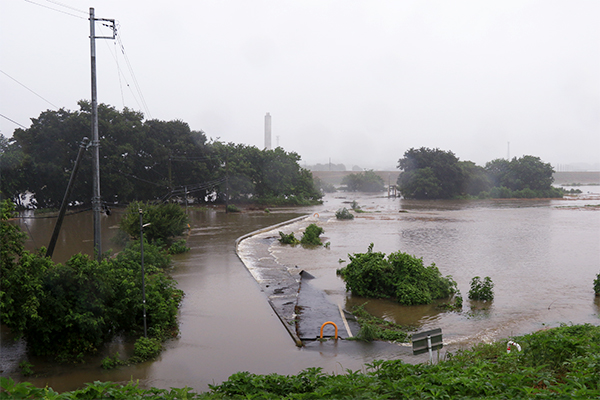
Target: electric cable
column 14, row 122
column 47, row 101
column 57, row 10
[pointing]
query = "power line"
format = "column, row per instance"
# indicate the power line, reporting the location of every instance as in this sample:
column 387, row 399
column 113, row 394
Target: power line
column 135, row 82
column 14, row 122
column 47, row 101
column 67, row 6
column 54, row 9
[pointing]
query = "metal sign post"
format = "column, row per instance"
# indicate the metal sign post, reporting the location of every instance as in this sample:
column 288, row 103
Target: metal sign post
column 427, row 341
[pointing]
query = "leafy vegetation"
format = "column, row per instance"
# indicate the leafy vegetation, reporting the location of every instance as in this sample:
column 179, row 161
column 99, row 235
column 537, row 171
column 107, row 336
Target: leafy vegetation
column 481, row 290
column 597, row 285
column 67, row 311
column 559, row 363
column 401, row 277
column 343, row 213
column 145, row 160
column 437, row 174
column 311, row 235
column 374, row 328
column 288, row 238
column 166, row 221
column 367, row 181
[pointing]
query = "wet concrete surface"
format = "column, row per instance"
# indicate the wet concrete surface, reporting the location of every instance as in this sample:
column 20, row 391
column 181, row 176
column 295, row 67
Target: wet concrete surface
column 314, row 309
column 301, row 307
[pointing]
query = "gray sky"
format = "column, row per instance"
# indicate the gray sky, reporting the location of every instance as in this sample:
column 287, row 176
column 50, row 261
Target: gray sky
column 357, row 82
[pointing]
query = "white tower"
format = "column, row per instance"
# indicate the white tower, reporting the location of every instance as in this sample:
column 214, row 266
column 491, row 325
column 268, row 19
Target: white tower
column 268, row 131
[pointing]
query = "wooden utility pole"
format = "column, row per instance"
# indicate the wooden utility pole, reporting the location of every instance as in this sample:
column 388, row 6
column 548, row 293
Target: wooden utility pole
column 96, row 199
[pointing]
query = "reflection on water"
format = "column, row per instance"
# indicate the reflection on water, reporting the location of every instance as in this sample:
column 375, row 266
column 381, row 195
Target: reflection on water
column 542, row 259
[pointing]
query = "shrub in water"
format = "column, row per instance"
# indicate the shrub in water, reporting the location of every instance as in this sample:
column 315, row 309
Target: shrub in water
column 146, row 348
column 483, row 291
column 400, row 276
column 597, row 285
column 343, row 213
column 311, row 235
column 288, row 239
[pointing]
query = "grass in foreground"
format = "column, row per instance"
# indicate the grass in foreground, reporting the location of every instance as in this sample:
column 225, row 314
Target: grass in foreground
column 559, row 363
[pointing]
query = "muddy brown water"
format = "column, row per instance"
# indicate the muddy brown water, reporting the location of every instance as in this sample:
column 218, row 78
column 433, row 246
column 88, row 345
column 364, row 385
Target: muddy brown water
column 541, row 255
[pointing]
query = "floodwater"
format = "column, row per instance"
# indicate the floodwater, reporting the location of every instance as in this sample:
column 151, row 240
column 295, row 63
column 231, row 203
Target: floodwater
column 542, row 256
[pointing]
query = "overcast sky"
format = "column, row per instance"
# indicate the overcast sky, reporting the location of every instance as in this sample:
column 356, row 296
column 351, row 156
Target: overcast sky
column 357, row 82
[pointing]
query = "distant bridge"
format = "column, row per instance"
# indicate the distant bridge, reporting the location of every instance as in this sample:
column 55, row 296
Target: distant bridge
column 560, row 178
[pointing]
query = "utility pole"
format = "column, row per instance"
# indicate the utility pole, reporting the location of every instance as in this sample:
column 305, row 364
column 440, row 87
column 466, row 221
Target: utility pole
column 96, row 199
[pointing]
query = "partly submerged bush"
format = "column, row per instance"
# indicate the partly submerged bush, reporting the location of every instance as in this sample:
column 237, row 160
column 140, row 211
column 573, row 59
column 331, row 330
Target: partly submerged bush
column 483, row 291
column 288, row 239
column 311, row 235
column 597, row 285
column 146, row 348
column 343, row 213
column 401, row 276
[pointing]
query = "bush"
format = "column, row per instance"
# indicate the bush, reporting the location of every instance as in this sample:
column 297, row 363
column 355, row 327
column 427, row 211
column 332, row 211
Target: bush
column 311, row 235
column 112, row 362
column 232, row 208
column 146, row 349
column 177, row 248
column 66, row 311
column 288, row 239
column 400, row 276
column 343, row 213
column 597, row 285
column 483, row 291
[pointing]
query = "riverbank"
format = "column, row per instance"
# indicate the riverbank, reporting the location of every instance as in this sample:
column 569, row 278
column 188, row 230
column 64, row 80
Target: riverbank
column 555, row 363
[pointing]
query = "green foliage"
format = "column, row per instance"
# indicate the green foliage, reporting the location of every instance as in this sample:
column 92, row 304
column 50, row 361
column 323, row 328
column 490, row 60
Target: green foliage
column 311, row 235
column 560, row 363
column 166, row 220
column 146, row 348
column 401, row 276
column 483, row 291
column 270, row 177
column 232, row 208
column 324, row 186
column 112, row 362
column 66, row 311
column 144, row 160
column 597, row 284
column 374, row 328
column 436, row 174
column 178, row 247
column 430, row 174
column 288, row 239
column 367, row 181
column 26, row 368
column 343, row 213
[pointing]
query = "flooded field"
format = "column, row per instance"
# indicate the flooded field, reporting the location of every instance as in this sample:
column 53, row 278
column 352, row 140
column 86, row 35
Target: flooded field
column 541, row 254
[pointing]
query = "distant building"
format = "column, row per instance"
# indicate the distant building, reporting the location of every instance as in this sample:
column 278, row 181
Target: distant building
column 268, row 131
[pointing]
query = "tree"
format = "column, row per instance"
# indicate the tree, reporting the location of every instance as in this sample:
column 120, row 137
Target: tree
column 167, row 220
column 68, row 310
column 367, row 181
column 144, row 160
column 476, row 178
column 430, row 174
column 527, row 175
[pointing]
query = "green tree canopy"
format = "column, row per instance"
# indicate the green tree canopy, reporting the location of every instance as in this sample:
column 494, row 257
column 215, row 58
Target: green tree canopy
column 366, row 181
column 430, row 174
column 143, row 160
